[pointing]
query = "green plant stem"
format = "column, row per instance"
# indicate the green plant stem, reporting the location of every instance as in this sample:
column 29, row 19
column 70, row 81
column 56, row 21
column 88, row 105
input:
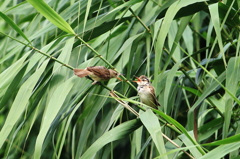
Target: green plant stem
column 53, row 58
column 140, row 20
column 39, row 51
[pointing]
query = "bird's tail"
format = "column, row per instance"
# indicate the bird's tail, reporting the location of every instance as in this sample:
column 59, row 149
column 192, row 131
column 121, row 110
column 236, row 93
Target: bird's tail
column 81, row 72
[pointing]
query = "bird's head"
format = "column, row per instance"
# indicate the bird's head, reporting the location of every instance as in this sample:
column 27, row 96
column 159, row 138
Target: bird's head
column 142, row 80
column 115, row 74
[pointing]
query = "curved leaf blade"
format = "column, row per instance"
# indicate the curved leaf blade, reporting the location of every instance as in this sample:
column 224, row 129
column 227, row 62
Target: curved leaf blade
column 150, row 121
column 116, row 133
column 14, row 26
column 51, row 15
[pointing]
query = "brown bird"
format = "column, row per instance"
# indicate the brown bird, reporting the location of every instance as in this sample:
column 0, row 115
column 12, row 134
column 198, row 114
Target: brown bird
column 97, row 73
column 146, row 92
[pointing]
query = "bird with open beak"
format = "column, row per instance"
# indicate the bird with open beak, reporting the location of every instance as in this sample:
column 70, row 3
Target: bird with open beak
column 146, row 92
column 97, row 73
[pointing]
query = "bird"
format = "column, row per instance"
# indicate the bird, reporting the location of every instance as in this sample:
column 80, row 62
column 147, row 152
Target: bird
column 146, row 92
column 97, row 73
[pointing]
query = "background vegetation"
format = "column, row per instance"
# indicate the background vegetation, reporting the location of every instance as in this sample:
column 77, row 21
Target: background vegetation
column 189, row 48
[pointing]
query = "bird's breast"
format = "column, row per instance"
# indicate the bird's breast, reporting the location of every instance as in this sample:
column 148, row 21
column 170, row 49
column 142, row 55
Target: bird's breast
column 144, row 93
column 146, row 96
column 94, row 77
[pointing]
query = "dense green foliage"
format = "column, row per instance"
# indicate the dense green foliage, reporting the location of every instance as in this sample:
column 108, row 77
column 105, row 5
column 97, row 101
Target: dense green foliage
column 189, row 48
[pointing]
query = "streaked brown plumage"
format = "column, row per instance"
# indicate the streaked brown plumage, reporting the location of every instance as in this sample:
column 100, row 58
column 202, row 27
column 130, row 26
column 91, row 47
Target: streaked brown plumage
column 97, row 73
column 146, row 92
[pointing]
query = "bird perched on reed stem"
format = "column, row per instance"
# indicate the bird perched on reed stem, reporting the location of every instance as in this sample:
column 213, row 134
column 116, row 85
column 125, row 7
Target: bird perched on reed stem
column 146, row 92
column 97, row 73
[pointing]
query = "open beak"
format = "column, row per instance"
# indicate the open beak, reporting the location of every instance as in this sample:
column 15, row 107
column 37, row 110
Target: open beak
column 138, row 79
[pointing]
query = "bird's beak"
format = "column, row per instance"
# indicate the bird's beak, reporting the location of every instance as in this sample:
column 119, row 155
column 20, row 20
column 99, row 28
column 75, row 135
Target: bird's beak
column 119, row 79
column 138, row 79
column 119, row 74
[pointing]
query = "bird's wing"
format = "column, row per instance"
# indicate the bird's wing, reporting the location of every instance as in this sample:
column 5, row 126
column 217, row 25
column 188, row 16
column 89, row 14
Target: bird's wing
column 152, row 90
column 81, row 72
column 100, row 71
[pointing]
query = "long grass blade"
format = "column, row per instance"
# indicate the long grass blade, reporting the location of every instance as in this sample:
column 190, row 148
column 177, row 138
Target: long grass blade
column 116, row 133
column 20, row 103
column 50, row 113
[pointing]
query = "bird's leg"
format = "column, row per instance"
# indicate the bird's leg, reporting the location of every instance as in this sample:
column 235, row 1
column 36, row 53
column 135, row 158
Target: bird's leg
column 96, row 82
